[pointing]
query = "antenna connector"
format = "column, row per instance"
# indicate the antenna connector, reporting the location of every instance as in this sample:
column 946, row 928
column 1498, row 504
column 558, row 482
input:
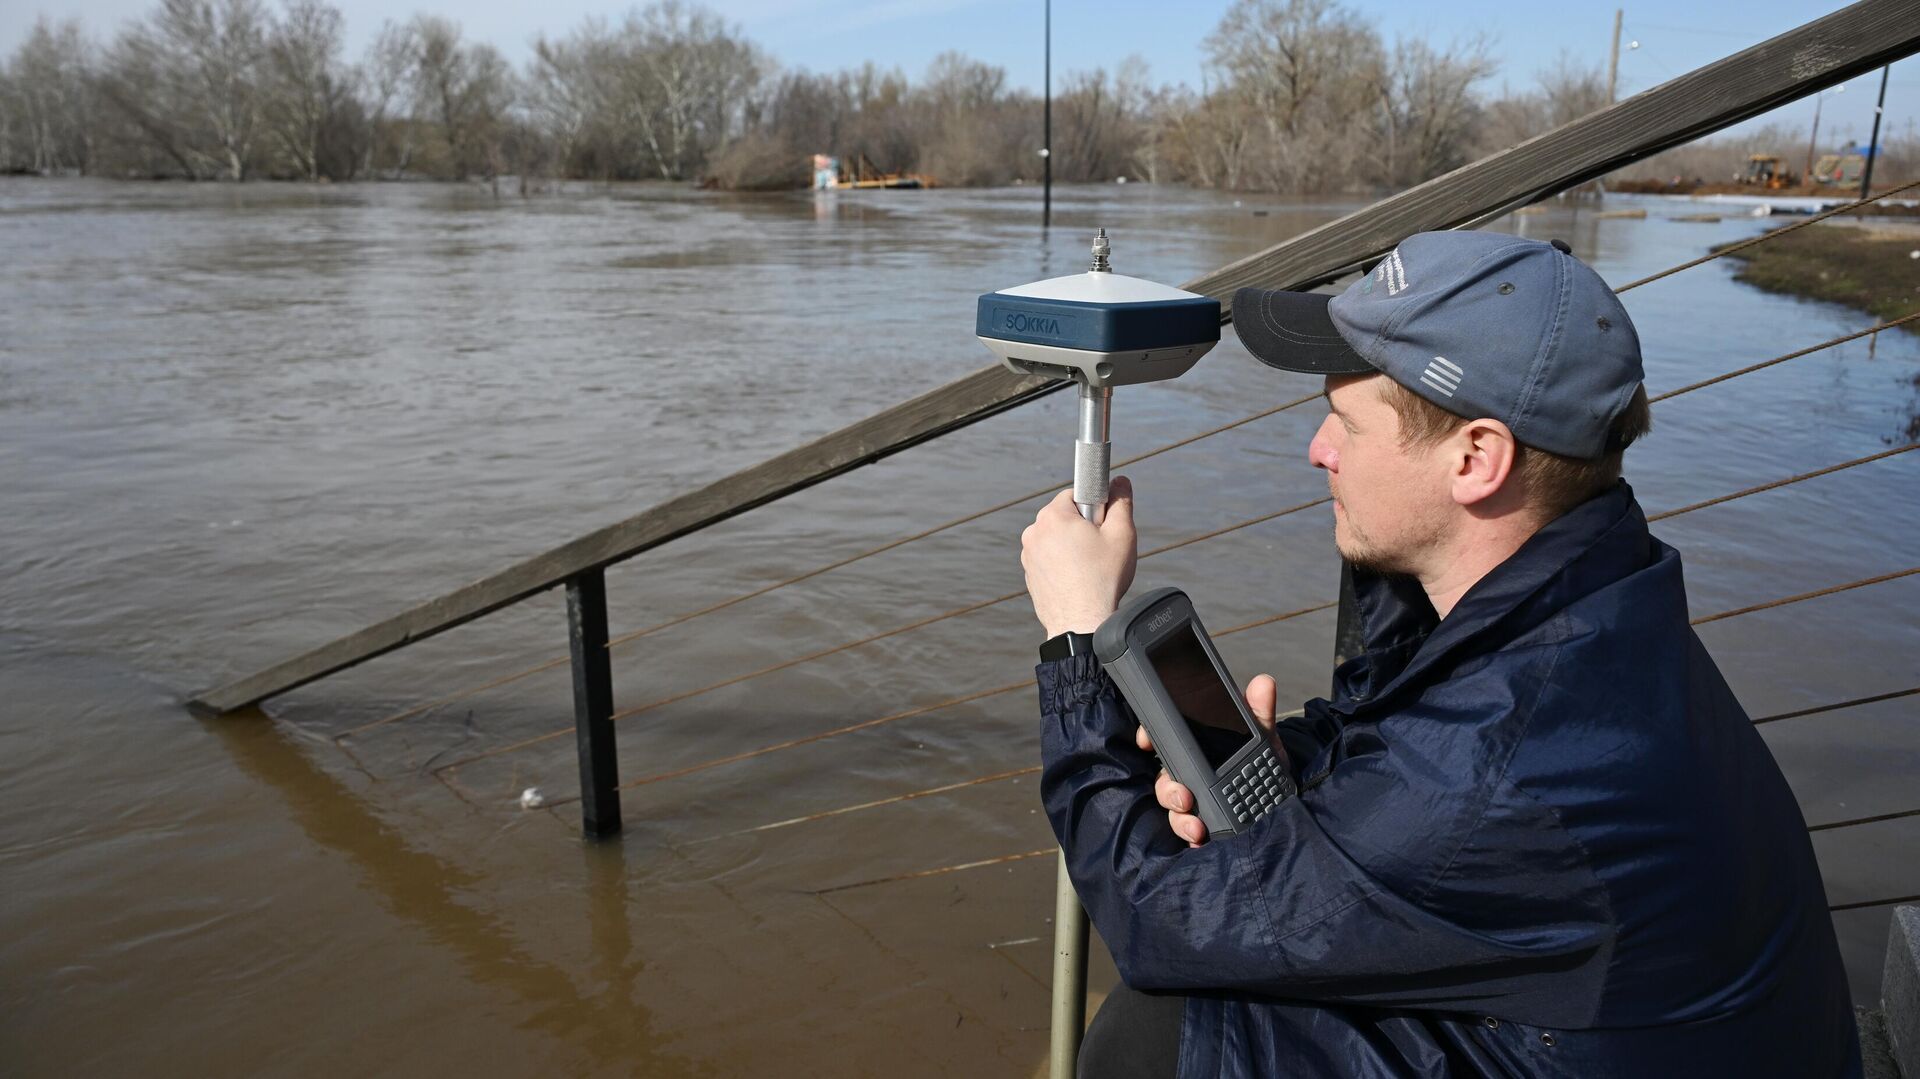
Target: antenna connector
column 1101, row 249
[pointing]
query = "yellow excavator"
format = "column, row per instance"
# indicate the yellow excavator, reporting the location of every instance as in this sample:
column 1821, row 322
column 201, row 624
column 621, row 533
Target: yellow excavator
column 1763, row 170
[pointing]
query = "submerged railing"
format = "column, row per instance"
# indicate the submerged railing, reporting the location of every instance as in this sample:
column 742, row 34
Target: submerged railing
column 1801, row 62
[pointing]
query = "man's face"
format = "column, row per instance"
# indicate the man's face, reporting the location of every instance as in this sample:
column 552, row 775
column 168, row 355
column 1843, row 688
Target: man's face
column 1390, row 503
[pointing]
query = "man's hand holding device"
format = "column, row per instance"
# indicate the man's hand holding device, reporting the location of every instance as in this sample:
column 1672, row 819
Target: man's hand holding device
column 1263, row 695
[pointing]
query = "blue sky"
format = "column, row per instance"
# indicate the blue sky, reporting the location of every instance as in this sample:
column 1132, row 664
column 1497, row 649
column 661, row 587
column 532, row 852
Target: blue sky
column 824, row 35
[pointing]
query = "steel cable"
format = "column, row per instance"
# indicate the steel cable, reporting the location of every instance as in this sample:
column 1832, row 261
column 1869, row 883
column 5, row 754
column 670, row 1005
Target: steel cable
column 1776, row 484
column 1663, row 515
column 1875, row 819
column 956, row 612
column 948, row 788
column 1816, row 594
column 938, row 871
column 1876, row 903
column 910, row 713
column 1772, row 234
column 1004, row 858
column 561, row 661
column 1023, row 855
column 1809, row 350
column 1837, row 705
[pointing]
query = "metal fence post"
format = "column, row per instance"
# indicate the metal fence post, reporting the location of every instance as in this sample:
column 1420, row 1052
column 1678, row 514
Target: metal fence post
column 593, row 702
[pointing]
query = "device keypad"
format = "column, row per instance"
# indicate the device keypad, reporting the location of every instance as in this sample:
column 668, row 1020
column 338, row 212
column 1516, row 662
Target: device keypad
column 1252, row 792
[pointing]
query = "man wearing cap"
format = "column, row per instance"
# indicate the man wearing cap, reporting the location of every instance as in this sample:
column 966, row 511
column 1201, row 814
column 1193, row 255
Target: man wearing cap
column 1535, row 834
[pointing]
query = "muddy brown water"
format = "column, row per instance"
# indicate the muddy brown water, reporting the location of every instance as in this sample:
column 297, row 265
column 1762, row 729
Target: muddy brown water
column 238, row 421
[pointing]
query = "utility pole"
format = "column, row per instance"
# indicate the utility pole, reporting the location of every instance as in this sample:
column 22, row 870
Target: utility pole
column 1613, row 60
column 1813, row 140
column 1046, row 133
column 1873, row 144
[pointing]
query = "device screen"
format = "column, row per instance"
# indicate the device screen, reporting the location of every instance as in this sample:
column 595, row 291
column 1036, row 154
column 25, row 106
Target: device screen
column 1201, row 696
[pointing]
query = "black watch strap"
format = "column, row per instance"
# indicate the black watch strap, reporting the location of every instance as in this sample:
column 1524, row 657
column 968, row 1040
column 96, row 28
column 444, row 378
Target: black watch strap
column 1065, row 646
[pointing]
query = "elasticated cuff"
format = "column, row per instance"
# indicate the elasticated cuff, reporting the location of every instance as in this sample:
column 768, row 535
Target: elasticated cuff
column 1065, row 683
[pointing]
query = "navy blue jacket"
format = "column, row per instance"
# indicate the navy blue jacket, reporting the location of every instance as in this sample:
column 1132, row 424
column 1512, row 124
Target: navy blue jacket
column 1536, row 837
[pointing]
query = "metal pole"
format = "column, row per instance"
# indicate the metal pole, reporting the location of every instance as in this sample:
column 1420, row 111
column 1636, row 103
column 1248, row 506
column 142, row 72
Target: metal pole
column 1046, row 133
column 1092, row 458
column 1873, row 145
column 593, row 703
column 1819, row 99
column 1069, row 976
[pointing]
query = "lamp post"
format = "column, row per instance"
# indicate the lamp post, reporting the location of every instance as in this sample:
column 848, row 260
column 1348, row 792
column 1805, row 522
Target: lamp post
column 1046, row 129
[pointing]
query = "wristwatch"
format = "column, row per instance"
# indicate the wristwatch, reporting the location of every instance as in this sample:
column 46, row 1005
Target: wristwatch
column 1065, row 646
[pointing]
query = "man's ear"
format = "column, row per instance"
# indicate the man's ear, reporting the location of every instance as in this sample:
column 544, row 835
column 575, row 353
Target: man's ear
column 1480, row 459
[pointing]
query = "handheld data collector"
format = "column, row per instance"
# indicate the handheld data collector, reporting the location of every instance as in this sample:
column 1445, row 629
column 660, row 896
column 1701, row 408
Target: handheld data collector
column 1157, row 652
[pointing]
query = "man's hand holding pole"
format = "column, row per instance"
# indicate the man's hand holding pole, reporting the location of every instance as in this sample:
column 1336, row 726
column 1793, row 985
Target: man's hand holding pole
column 1076, row 570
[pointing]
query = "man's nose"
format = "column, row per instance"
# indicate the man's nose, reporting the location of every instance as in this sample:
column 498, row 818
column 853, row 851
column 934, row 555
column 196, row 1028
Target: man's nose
column 1320, row 452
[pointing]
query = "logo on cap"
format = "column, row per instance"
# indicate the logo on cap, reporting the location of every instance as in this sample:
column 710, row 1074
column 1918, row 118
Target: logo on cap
column 1392, row 273
column 1443, row 375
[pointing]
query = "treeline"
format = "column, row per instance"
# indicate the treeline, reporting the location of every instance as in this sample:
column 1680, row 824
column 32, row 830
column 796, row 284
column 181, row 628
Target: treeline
column 1300, row 96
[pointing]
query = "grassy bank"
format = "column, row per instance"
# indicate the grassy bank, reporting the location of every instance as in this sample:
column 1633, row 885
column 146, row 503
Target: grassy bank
column 1868, row 269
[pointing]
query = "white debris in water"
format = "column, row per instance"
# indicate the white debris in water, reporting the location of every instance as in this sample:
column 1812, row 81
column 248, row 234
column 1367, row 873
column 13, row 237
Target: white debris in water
column 531, row 798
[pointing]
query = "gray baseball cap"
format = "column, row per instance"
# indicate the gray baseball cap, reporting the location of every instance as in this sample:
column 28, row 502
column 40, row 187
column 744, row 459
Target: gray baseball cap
column 1479, row 323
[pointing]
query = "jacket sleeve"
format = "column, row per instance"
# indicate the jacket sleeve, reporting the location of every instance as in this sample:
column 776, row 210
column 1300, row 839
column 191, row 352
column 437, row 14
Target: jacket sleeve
column 1289, row 908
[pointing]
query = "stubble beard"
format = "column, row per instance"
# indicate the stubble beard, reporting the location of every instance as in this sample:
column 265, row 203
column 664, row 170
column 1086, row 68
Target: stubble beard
column 1360, row 550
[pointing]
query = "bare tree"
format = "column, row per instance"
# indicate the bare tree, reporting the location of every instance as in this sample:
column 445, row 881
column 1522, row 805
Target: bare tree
column 1429, row 108
column 1100, row 127
column 656, row 96
column 189, row 77
column 1570, row 89
column 465, row 91
column 220, row 44
column 384, row 78
column 48, row 105
column 564, row 92
column 1305, row 68
column 307, row 88
column 688, row 73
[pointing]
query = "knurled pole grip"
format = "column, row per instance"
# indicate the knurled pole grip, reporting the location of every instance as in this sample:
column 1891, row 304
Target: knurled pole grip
column 1092, row 451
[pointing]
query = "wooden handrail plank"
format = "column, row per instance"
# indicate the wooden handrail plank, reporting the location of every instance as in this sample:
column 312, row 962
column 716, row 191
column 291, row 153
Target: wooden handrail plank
column 1802, row 61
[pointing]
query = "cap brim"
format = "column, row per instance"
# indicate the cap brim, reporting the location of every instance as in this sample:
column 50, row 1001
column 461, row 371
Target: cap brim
column 1293, row 332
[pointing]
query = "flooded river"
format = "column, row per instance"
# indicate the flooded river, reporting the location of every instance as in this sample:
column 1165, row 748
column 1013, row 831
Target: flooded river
column 238, row 421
